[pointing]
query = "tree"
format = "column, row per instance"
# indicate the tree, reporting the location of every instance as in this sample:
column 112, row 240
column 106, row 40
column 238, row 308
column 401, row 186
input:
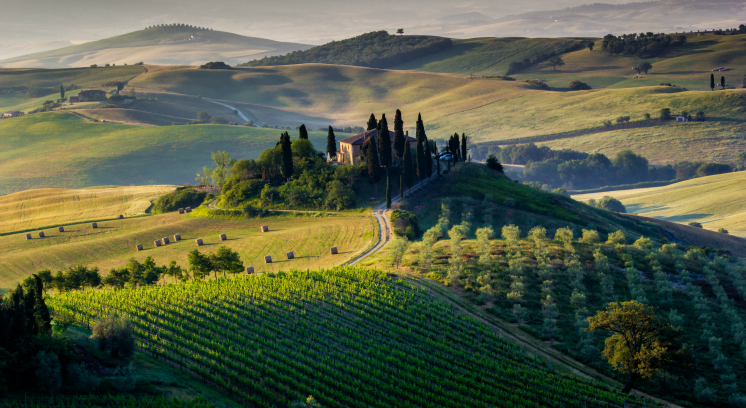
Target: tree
column 591, row 45
column 555, row 62
column 202, row 116
column 384, row 142
column 665, row 114
column 41, row 312
column 199, row 264
column 114, row 335
column 722, row 82
column 287, row 156
column 372, row 122
column 331, row 143
column 494, row 163
column 642, row 344
column 398, row 248
column 48, row 371
column 226, row 260
column 578, row 86
column 374, row 167
column 420, row 149
column 463, row 146
column 388, row 189
column 62, row 92
column 400, row 31
column 399, row 139
column 302, row 132
column 407, row 168
column 712, row 82
column 645, row 67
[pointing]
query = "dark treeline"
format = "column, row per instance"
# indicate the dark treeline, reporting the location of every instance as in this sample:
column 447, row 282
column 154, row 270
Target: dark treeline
column 576, row 170
column 375, row 50
column 643, row 45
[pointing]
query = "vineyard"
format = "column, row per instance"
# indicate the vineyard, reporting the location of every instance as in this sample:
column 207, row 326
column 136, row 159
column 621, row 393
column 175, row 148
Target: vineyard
column 103, row 401
column 351, row 337
column 550, row 286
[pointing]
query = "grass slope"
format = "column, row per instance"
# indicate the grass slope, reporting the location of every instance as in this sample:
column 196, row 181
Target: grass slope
column 714, row 201
column 173, row 46
column 113, row 242
column 52, row 207
column 351, row 337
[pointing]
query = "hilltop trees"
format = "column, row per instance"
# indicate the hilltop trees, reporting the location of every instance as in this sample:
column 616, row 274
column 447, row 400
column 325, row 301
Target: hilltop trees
column 590, row 45
column 712, row 82
column 643, row 45
column 331, row 143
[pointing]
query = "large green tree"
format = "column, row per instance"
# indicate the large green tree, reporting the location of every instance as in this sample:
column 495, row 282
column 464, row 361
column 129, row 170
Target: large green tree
column 384, row 142
column 226, row 260
column 287, row 156
column 399, row 138
column 302, row 132
column 642, row 345
column 331, row 143
column 199, row 264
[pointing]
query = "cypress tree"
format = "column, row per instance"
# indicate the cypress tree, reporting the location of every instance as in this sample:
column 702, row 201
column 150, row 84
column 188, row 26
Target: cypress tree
column 41, row 312
column 408, row 169
column 712, row 82
column 457, row 147
column 384, row 142
column 62, row 92
column 428, row 159
column 303, row 133
column 287, row 156
column 401, row 185
column 18, row 314
column 399, row 139
column 388, row 189
column 722, row 82
column 463, row 146
column 439, row 166
column 372, row 122
column 374, row 166
column 331, row 143
column 29, row 301
column 420, row 156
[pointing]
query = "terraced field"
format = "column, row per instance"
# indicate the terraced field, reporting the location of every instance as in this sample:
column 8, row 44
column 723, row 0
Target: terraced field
column 113, row 242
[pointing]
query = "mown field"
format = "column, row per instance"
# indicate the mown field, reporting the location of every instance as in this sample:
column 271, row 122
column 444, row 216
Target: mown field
column 714, row 201
column 55, row 206
column 113, row 242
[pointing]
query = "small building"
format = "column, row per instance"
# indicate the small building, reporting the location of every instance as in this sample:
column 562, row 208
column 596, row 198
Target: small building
column 682, row 119
column 351, row 148
column 90, row 95
column 12, row 114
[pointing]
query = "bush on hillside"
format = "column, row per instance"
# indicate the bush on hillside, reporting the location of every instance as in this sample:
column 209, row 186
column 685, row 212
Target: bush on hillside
column 182, row 197
column 405, row 224
column 494, row 164
column 579, row 86
column 215, row 65
column 219, row 120
column 114, row 335
column 611, row 204
column 711, row 169
column 695, row 224
column 375, row 50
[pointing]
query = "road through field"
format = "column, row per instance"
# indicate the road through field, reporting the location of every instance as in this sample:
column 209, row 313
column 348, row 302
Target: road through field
column 240, row 114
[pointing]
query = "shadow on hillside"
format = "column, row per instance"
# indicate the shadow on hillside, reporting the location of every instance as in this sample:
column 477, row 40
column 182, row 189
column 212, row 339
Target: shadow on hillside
column 699, row 47
column 642, row 208
column 685, row 217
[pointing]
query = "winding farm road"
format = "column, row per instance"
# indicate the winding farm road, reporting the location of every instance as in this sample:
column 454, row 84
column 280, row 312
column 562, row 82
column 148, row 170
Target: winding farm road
column 240, row 114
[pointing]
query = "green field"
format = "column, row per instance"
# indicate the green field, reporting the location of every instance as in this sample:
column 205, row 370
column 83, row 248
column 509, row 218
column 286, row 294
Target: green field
column 53, row 207
column 350, row 337
column 113, row 242
column 714, row 201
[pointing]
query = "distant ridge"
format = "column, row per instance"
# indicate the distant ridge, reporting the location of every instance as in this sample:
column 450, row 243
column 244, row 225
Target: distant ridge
column 174, row 44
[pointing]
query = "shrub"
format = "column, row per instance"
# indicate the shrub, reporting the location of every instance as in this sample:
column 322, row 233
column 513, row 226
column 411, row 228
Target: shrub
column 219, row 120
column 711, row 169
column 494, row 163
column 203, row 116
column 611, row 204
column 114, row 335
column 695, row 224
column 215, row 65
column 665, row 114
column 405, row 224
column 643, row 243
column 339, row 196
column 590, row 237
column 182, row 197
column 235, row 194
column 617, row 238
column 578, row 86
column 723, row 230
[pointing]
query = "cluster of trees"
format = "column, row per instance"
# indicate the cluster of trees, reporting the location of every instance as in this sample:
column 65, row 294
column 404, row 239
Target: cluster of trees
column 608, row 203
column 176, row 27
column 578, row 86
column 553, row 59
column 643, row 45
column 215, row 65
column 346, row 129
column 405, row 224
column 182, row 197
column 376, row 50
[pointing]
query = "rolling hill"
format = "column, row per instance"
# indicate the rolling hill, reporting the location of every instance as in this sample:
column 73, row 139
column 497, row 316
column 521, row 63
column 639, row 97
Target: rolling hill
column 714, row 201
column 169, row 45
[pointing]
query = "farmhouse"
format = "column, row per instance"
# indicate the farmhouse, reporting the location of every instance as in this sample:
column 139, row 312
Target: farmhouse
column 90, row 95
column 682, row 119
column 351, row 148
column 12, row 114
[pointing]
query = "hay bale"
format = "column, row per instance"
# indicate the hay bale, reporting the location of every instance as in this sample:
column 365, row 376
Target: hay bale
column 138, row 247
column 334, row 251
column 249, row 269
column 290, row 255
column 188, row 209
column 61, row 229
column 28, row 236
column 177, row 237
column 165, row 241
column 198, row 241
column 265, row 228
column 181, row 211
column 41, row 234
column 223, row 237
column 157, row 243
column 94, row 225
column 120, row 217
column 267, row 259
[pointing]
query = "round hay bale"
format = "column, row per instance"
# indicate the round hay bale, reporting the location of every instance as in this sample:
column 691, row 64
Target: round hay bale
column 249, row 269
column 28, row 236
column 41, row 234
column 181, row 211
column 290, row 255
column 267, row 259
column 177, row 237
column 198, row 241
column 165, row 241
column 334, row 251
column 223, row 237
column 138, row 247
column 157, row 243
column 265, row 228
column 120, row 217
column 188, row 209
column 61, row 229
column 94, row 225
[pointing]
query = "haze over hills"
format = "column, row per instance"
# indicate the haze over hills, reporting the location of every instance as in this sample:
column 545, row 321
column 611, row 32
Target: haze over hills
column 171, row 45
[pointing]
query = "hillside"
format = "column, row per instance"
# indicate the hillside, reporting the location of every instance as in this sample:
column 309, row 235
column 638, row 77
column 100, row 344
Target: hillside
column 348, row 336
column 53, row 207
column 714, row 201
column 169, row 45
